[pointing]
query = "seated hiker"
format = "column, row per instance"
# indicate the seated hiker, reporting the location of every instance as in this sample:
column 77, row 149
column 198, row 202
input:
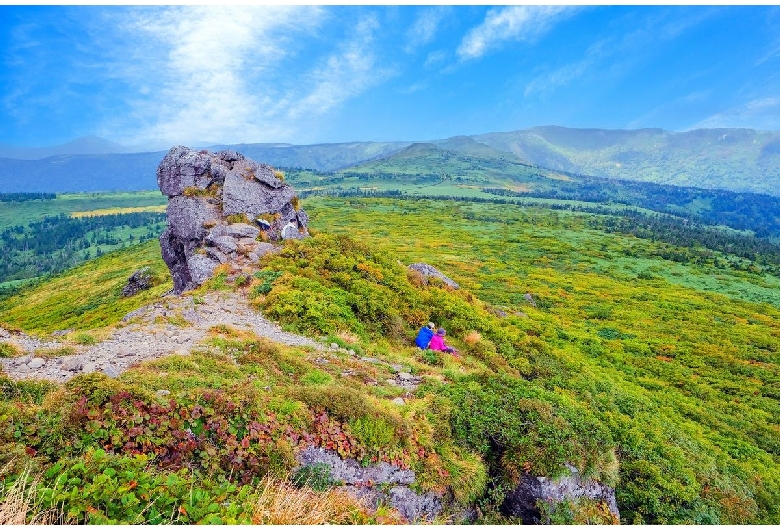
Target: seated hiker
column 437, row 343
column 424, row 336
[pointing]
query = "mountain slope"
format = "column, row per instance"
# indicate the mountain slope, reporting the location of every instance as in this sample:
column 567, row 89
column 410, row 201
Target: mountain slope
column 733, row 159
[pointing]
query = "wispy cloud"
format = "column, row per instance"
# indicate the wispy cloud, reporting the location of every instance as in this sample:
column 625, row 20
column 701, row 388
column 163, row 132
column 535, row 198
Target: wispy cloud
column 202, row 73
column 236, row 74
column 344, row 74
column 423, row 30
column 434, row 58
column 522, row 23
column 762, row 113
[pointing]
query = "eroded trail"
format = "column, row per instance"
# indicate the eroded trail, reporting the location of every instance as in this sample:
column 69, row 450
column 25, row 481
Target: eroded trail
column 175, row 325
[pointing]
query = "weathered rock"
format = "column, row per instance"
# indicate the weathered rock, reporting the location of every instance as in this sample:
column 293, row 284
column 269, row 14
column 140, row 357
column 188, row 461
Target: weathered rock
column 140, row 280
column 361, row 482
column 530, row 299
column 36, row 363
column 523, row 500
column 429, row 271
column 207, row 192
column 71, row 364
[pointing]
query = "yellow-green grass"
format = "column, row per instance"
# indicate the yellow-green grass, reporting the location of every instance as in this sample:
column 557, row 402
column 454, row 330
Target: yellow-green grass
column 88, row 296
column 114, row 211
column 16, row 214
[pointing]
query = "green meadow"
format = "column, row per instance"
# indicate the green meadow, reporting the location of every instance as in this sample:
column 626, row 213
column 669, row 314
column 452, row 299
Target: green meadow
column 650, row 367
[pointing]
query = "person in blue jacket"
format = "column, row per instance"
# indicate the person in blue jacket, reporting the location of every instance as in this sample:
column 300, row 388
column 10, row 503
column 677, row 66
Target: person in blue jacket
column 424, row 336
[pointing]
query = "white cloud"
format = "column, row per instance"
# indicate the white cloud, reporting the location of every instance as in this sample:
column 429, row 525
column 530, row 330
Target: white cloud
column 523, row 23
column 233, row 74
column 198, row 72
column 762, row 114
column 424, row 28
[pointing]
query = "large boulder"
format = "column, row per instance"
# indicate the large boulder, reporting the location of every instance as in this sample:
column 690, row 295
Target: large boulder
column 222, row 207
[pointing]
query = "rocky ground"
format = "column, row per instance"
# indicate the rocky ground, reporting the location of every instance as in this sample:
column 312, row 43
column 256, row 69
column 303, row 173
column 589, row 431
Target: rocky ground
column 172, row 326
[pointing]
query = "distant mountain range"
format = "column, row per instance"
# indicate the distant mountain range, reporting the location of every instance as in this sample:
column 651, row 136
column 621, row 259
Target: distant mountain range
column 733, row 159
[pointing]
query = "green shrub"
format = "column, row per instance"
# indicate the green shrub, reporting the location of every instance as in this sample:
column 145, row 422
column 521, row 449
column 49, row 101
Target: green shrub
column 9, row 350
column 85, row 339
column 316, row 377
column 518, row 426
column 318, row 477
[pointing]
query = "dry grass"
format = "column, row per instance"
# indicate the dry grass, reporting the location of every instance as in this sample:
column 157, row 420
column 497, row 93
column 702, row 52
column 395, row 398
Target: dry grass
column 472, row 338
column 348, row 337
column 20, row 499
column 281, row 503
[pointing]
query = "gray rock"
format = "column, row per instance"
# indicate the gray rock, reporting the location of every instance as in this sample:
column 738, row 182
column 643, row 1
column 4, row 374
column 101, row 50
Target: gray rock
column 233, row 185
column 162, row 392
column 201, row 268
column 217, row 255
column 140, row 280
column 399, row 401
column 429, row 271
column 241, row 230
column 71, row 364
column 187, row 217
column 225, row 244
column 183, row 168
column 530, row 299
column 290, row 231
column 88, row 367
column 413, row 506
column 36, row 363
column 252, row 197
column 523, row 500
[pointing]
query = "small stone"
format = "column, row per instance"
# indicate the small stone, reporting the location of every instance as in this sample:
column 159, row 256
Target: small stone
column 351, row 352
column 334, row 346
column 88, row 367
column 36, row 363
column 162, row 392
column 399, row 401
column 405, row 376
column 391, row 382
column 71, row 364
column 124, row 352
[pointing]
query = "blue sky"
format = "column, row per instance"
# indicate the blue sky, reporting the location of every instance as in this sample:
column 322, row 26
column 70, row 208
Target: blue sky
column 311, row 74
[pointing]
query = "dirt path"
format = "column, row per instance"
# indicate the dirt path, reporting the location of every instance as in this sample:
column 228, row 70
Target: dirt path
column 172, row 326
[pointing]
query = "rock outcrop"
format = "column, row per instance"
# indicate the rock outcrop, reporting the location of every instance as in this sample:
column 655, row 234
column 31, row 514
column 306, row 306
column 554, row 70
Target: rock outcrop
column 222, row 207
column 382, row 483
column 140, row 280
column 523, row 500
column 428, row 271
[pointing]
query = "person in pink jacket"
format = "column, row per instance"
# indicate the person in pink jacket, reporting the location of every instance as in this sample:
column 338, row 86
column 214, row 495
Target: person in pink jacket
column 437, row 343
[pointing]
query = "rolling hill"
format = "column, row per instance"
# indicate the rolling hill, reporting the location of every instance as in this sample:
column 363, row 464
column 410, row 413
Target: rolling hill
column 740, row 160
column 733, row 159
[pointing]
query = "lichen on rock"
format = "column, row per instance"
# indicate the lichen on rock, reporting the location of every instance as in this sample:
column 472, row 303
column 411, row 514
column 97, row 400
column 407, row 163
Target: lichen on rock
column 207, row 194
